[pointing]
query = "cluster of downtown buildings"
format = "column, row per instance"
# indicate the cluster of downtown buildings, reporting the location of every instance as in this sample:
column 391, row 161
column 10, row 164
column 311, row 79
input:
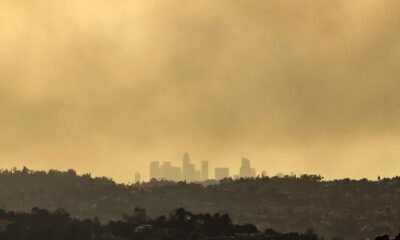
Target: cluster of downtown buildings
column 188, row 171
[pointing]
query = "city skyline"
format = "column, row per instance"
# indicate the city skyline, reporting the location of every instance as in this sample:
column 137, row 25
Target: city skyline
column 199, row 120
column 189, row 172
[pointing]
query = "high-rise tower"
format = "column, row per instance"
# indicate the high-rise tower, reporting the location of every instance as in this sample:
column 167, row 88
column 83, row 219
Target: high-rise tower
column 204, row 170
column 155, row 170
column 245, row 170
column 188, row 169
column 221, row 173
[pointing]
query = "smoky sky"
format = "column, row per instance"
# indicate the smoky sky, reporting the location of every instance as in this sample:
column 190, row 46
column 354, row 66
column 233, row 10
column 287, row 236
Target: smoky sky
column 108, row 86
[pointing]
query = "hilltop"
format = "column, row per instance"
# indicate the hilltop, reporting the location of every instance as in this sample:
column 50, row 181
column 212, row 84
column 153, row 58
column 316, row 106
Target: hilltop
column 343, row 208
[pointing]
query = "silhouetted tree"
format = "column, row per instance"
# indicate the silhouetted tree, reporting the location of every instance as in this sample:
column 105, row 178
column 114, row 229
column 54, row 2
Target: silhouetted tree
column 384, row 237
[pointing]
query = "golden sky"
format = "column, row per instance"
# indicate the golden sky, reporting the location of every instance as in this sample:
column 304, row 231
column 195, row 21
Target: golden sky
column 309, row 86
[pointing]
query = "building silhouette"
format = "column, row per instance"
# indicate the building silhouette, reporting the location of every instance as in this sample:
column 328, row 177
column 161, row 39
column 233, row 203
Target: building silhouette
column 137, row 177
column 168, row 172
column 204, row 170
column 197, row 175
column 189, row 173
column 245, row 170
column 188, row 169
column 155, row 170
column 221, row 173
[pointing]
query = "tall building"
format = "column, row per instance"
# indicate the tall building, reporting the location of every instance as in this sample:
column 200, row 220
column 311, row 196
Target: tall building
column 204, row 170
column 155, row 170
column 197, row 175
column 165, row 170
column 185, row 159
column 221, row 173
column 245, row 170
column 168, row 172
column 137, row 177
column 188, row 169
column 176, row 174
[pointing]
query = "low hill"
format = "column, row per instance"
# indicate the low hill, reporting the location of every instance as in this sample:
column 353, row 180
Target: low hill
column 354, row 209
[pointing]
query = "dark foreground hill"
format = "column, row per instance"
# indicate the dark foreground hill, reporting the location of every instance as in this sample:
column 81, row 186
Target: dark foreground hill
column 180, row 224
column 341, row 208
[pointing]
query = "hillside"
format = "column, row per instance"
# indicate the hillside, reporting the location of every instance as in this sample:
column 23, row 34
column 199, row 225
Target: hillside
column 343, row 208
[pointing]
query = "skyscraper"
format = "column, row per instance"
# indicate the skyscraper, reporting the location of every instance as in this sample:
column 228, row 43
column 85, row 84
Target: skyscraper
column 188, row 169
column 165, row 170
column 245, row 170
column 185, row 159
column 185, row 165
column 155, row 170
column 204, row 170
column 176, row 174
column 197, row 175
column 168, row 172
column 221, row 173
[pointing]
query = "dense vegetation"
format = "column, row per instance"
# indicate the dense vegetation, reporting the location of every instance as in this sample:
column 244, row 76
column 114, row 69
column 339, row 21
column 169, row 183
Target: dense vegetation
column 351, row 209
column 178, row 225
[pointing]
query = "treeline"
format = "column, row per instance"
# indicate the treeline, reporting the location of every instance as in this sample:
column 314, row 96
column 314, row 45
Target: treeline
column 350, row 209
column 180, row 224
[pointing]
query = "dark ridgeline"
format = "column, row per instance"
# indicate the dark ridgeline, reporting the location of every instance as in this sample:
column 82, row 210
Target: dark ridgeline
column 180, row 224
column 345, row 208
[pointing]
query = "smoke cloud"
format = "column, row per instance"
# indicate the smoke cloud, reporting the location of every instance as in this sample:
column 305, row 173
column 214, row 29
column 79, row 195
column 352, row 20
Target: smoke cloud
column 108, row 86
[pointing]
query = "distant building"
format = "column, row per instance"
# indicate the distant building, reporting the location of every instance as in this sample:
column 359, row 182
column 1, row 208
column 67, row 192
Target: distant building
column 137, row 177
column 155, row 170
column 168, row 172
column 245, row 170
column 197, row 175
column 188, row 169
column 185, row 159
column 165, row 170
column 176, row 174
column 221, row 173
column 204, row 170
column 189, row 173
